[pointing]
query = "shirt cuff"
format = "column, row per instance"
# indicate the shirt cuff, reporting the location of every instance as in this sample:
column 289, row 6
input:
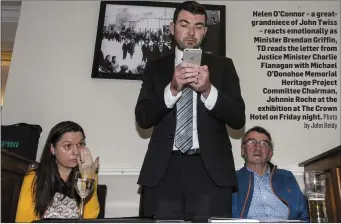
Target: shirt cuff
column 211, row 99
column 170, row 100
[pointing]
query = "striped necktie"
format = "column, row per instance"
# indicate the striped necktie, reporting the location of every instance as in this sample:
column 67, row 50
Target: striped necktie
column 184, row 122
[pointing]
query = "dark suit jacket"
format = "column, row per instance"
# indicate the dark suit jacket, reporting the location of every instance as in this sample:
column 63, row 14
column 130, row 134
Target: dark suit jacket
column 214, row 141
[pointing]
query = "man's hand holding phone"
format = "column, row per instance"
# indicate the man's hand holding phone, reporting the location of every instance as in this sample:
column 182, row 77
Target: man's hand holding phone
column 184, row 74
column 191, row 73
column 203, row 84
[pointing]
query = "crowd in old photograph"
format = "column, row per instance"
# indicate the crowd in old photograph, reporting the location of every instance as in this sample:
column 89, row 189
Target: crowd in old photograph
column 133, row 49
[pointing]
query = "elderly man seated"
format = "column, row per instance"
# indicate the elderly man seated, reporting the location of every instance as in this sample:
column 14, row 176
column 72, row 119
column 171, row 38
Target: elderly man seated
column 265, row 192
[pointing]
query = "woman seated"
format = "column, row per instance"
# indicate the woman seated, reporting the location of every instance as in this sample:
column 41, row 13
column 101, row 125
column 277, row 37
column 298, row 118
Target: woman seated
column 48, row 189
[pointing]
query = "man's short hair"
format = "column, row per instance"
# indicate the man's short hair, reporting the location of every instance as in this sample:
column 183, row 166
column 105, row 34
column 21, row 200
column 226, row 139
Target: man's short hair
column 259, row 130
column 190, row 6
column 124, row 68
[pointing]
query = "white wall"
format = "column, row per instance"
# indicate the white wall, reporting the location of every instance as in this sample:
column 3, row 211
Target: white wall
column 50, row 81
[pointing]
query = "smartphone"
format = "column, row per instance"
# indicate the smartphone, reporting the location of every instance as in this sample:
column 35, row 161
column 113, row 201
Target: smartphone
column 192, row 56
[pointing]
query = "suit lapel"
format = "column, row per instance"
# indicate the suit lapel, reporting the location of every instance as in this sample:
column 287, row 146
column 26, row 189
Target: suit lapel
column 200, row 104
column 167, row 67
column 205, row 60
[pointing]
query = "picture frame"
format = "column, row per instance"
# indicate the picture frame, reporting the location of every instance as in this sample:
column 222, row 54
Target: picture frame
column 129, row 33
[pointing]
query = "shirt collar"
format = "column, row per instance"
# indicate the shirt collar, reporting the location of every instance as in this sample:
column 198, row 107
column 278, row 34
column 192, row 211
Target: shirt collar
column 267, row 172
column 179, row 54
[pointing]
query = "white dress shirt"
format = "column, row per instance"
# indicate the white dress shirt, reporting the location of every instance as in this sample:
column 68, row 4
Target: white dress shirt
column 171, row 100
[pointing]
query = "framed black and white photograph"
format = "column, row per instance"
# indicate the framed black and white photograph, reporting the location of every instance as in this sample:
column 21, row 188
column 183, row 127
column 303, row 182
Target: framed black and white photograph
column 130, row 33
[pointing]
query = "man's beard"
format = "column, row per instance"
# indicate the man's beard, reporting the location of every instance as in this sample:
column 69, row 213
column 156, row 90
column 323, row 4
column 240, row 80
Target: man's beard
column 182, row 44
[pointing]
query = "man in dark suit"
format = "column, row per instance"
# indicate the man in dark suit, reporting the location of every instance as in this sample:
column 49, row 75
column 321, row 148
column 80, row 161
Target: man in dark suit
column 145, row 49
column 125, row 48
column 188, row 171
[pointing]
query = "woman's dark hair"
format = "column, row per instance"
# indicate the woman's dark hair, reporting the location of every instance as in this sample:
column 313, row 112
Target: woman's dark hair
column 47, row 180
column 190, row 6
